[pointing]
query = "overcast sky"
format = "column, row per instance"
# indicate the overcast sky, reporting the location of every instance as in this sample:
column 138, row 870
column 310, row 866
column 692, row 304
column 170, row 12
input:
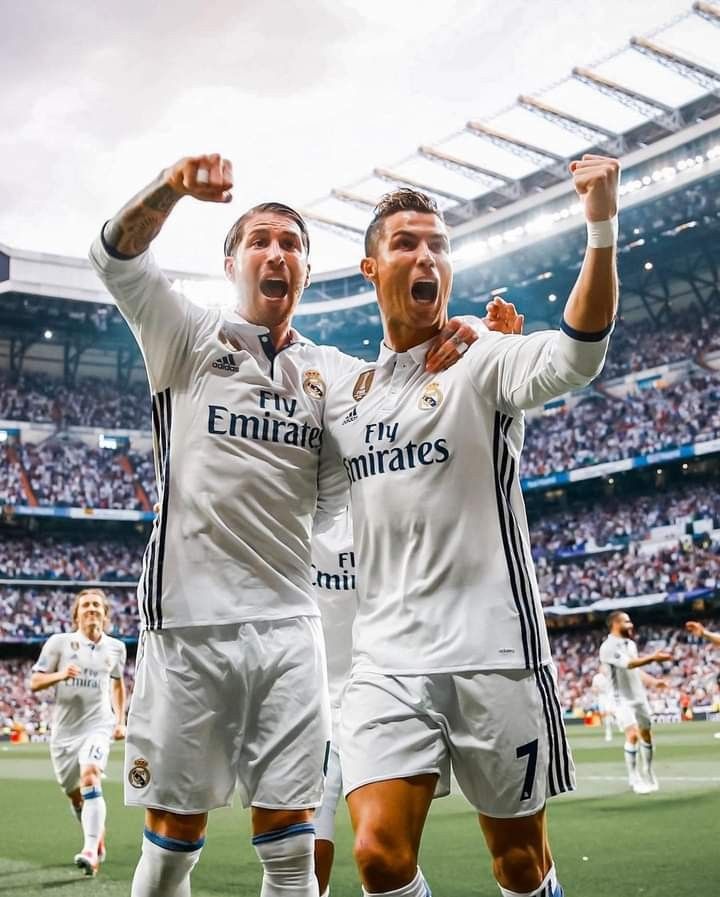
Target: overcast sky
column 301, row 96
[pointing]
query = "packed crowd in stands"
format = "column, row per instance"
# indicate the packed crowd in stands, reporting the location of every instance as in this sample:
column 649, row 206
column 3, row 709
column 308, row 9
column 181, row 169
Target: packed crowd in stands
column 89, row 403
column 693, row 673
column 25, row 557
column 618, row 521
column 600, row 429
column 28, row 613
column 637, row 347
column 70, row 474
column 628, row 573
column 692, row 678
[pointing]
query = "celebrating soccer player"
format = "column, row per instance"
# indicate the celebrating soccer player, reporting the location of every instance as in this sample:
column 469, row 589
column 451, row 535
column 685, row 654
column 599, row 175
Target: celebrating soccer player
column 632, row 711
column 86, row 668
column 231, row 687
column 451, row 665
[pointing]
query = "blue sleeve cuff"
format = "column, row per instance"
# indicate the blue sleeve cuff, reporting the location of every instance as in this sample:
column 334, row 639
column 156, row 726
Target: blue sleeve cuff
column 585, row 337
column 111, row 251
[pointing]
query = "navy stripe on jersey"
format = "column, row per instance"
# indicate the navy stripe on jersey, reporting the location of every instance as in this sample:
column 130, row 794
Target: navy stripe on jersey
column 154, row 558
column 502, row 511
column 507, row 477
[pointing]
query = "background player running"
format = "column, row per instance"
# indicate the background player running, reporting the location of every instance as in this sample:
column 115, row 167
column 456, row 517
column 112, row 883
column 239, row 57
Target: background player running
column 86, row 668
column 451, row 660
column 619, row 654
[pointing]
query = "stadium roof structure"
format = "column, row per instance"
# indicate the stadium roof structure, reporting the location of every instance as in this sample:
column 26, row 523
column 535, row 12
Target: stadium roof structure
column 517, row 228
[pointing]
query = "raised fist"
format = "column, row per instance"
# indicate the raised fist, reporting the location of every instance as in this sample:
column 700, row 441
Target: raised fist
column 503, row 317
column 208, row 178
column 596, row 180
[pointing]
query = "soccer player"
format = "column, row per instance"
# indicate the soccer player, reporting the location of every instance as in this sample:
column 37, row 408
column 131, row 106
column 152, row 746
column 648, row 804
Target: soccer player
column 333, row 564
column 451, row 660
column 231, row 685
column 603, row 696
column 86, row 668
column 619, row 653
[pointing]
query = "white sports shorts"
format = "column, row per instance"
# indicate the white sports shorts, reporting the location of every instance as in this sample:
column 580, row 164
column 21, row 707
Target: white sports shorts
column 501, row 733
column 633, row 713
column 68, row 757
column 324, row 820
column 215, row 708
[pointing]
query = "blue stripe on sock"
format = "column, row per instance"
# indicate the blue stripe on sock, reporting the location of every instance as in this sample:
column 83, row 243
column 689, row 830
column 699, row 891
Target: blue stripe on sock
column 89, row 795
column 174, row 844
column 300, row 828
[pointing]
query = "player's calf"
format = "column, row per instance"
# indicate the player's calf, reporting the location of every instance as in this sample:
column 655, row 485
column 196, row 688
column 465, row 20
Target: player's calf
column 165, row 866
column 94, row 813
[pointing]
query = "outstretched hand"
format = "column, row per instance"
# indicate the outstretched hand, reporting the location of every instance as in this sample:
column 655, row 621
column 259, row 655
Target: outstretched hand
column 207, row 178
column 503, row 317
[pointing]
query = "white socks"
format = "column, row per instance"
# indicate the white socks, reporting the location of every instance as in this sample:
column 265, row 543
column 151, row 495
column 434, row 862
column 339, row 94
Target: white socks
column 165, row 866
column 631, row 753
column 549, row 887
column 418, row 887
column 288, row 858
column 92, row 817
column 646, row 758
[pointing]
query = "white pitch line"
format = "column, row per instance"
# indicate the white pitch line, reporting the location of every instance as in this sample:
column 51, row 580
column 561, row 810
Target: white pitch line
column 664, row 778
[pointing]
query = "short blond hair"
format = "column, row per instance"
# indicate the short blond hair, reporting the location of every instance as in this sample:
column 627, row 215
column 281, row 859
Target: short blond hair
column 91, row 591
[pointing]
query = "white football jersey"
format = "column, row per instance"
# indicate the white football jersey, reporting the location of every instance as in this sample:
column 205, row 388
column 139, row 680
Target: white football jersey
column 238, row 435
column 601, row 684
column 445, row 575
column 616, row 652
column 83, row 704
column 333, row 568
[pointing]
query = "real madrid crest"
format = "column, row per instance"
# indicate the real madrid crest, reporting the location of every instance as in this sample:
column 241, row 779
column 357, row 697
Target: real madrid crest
column 74, row 646
column 430, row 397
column 139, row 775
column 313, row 384
column 362, row 385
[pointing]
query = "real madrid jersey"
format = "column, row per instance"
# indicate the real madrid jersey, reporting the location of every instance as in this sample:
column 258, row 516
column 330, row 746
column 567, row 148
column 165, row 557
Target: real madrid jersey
column 445, row 576
column 83, row 704
column 333, row 570
column 616, row 653
column 238, row 437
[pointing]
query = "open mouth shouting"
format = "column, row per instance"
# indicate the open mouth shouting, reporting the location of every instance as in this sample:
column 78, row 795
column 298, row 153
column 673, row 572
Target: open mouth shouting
column 425, row 291
column 274, row 287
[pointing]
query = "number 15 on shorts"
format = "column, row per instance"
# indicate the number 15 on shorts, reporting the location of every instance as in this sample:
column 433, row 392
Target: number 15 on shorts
column 529, row 750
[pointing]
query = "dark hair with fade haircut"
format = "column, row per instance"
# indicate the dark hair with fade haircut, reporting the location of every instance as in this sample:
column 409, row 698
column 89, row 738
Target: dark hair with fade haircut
column 404, row 200
column 616, row 614
column 237, row 231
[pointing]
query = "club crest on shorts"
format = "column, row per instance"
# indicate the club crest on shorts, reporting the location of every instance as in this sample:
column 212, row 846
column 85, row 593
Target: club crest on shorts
column 313, row 384
column 430, row 397
column 362, row 385
column 139, row 775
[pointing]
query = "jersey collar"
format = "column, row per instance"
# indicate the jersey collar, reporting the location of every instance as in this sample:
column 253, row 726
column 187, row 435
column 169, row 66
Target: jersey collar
column 260, row 329
column 389, row 356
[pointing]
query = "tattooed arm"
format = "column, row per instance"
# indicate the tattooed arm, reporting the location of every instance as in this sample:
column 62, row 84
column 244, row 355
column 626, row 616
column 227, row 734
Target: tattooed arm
column 130, row 232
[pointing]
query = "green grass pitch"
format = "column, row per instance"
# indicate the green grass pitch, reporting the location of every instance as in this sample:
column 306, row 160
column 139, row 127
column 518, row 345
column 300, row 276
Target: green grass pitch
column 607, row 842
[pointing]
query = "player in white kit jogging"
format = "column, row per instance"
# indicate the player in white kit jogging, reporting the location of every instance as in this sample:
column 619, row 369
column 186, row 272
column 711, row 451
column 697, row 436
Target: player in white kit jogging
column 619, row 654
column 86, row 668
column 231, row 685
column 451, row 660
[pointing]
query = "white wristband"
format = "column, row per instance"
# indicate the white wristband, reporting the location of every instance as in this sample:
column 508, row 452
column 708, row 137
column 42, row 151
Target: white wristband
column 602, row 234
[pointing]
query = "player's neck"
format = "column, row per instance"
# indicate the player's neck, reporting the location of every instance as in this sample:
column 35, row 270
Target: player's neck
column 92, row 634
column 401, row 337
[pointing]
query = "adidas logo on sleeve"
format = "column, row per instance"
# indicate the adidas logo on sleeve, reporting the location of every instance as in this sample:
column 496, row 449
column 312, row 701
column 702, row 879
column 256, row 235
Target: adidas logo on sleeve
column 226, row 363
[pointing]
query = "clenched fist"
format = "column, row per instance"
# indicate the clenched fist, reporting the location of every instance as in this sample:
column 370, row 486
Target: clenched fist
column 596, row 180
column 208, row 178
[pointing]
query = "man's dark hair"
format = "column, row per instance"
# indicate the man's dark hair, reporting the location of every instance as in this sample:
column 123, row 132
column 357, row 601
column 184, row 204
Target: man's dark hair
column 404, row 200
column 616, row 614
column 237, row 231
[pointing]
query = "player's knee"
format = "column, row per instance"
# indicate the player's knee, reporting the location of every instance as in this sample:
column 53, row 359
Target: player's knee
column 632, row 735
column 384, row 862
column 182, row 827
column 287, row 856
column 519, row 868
column 90, row 777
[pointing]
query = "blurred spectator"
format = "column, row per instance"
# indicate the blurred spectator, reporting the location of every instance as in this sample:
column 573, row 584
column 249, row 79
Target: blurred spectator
column 47, row 558
column 35, row 613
